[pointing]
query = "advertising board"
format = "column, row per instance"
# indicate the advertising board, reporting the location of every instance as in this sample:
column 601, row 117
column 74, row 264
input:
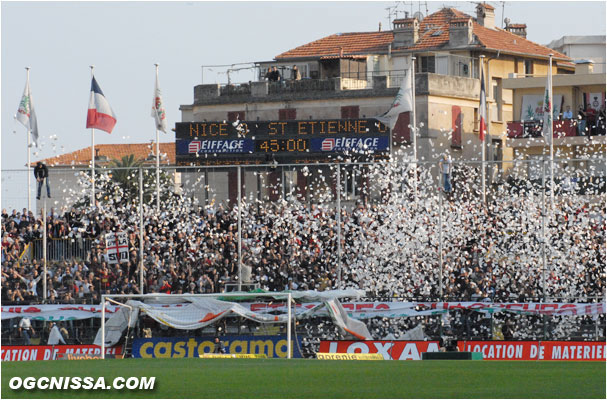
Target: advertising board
column 39, row 353
column 536, row 350
column 193, row 347
column 389, row 349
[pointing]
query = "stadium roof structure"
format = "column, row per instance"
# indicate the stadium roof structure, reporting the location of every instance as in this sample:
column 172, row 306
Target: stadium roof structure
column 145, row 152
column 433, row 36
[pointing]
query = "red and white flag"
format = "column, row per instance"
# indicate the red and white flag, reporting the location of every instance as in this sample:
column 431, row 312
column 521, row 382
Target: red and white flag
column 403, row 102
column 482, row 112
column 100, row 114
column 158, row 111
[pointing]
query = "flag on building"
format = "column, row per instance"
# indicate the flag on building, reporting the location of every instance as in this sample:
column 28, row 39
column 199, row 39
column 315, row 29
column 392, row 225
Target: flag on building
column 26, row 114
column 402, row 103
column 547, row 109
column 158, row 112
column 100, row 114
column 482, row 112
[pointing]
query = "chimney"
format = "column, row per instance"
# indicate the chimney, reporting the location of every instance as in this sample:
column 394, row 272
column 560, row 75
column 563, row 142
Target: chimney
column 584, row 67
column 460, row 32
column 485, row 15
column 406, row 32
column 518, row 29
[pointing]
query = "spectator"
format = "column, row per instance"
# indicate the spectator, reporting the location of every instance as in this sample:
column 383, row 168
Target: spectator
column 41, row 174
column 568, row 114
column 295, row 74
column 26, row 331
column 445, row 168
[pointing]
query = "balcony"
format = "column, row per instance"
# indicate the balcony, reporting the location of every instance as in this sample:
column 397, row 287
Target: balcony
column 526, row 134
column 560, row 128
column 347, row 85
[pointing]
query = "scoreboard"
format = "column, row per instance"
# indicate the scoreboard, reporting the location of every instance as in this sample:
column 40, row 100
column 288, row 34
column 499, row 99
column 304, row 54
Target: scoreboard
column 292, row 141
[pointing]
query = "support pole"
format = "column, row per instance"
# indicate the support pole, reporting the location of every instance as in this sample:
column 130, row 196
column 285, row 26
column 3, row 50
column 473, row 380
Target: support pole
column 103, row 327
column 551, row 138
column 544, row 228
column 141, row 244
column 44, row 256
column 157, row 157
column 238, row 180
column 92, row 153
column 483, row 142
column 414, row 126
column 338, row 219
column 289, row 344
column 440, row 238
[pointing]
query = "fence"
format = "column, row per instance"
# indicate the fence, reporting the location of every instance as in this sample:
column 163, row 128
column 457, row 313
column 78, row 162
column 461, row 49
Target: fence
column 62, row 249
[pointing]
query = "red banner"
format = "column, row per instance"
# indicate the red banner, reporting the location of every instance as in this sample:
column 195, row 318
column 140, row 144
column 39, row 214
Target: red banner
column 31, row 353
column 536, row 350
column 389, row 349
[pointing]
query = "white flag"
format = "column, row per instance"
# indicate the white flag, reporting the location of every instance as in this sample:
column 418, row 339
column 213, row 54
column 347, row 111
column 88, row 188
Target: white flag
column 158, row 112
column 547, row 109
column 26, row 114
column 402, row 103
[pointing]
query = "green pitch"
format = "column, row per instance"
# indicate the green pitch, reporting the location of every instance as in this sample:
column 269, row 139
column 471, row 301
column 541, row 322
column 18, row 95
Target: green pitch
column 279, row 378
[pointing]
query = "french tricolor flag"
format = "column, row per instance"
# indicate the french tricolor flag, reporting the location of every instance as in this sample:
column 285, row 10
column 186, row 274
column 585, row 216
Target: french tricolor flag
column 100, row 114
column 482, row 108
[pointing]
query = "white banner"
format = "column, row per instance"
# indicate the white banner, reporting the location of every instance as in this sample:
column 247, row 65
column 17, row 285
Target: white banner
column 358, row 310
column 116, row 247
column 56, row 312
column 533, row 107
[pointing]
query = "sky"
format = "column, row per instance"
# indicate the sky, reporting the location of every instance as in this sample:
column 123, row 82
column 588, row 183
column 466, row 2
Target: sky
column 123, row 40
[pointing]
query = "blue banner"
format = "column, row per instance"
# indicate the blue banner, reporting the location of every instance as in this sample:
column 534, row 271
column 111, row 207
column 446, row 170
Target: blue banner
column 350, row 144
column 192, row 347
column 231, row 146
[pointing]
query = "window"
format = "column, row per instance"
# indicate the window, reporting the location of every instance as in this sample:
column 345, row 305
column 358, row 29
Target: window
column 496, row 86
column 427, row 64
column 287, row 114
column 350, row 112
column 234, row 116
column 528, row 67
column 476, row 119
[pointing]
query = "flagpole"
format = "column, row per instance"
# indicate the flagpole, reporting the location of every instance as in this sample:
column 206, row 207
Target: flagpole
column 157, row 156
column 483, row 155
column 44, row 255
column 551, row 127
column 92, row 154
column 414, row 126
column 29, row 150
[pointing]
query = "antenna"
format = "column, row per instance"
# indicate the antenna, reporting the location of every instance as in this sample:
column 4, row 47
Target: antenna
column 503, row 19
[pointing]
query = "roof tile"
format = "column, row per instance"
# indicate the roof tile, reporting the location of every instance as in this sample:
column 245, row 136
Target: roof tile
column 113, row 151
column 433, row 35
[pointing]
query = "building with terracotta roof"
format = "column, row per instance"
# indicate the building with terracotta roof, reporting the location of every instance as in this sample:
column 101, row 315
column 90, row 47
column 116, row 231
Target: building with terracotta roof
column 358, row 74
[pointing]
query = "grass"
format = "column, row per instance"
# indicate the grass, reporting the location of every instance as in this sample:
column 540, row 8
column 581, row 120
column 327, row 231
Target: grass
column 305, row 378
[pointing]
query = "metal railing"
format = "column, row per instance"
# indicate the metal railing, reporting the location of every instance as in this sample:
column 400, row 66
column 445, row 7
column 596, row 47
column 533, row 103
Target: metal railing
column 62, row 249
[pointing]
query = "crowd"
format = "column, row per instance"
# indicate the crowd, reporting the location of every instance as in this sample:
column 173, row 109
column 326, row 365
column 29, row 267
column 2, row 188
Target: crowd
column 389, row 248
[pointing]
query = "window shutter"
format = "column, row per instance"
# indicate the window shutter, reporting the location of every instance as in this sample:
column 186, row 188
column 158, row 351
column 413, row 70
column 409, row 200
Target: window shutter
column 456, row 135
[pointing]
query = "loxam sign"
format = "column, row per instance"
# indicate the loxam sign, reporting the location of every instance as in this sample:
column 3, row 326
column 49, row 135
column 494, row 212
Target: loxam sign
column 389, row 349
column 193, row 347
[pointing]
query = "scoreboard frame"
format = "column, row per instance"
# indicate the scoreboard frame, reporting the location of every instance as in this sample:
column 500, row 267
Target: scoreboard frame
column 289, row 141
